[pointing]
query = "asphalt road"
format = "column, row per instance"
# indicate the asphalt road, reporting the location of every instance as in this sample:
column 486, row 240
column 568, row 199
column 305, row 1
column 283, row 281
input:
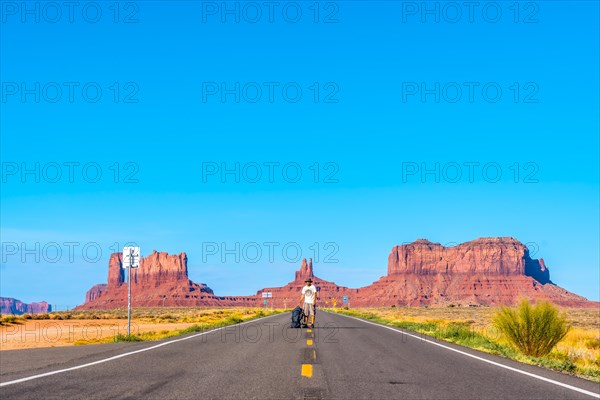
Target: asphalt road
column 341, row 358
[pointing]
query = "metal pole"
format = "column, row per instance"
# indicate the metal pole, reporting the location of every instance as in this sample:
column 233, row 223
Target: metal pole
column 129, row 294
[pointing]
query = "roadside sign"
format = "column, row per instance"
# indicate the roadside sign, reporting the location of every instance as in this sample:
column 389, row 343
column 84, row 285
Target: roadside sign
column 345, row 298
column 265, row 302
column 131, row 256
column 269, row 294
column 131, row 259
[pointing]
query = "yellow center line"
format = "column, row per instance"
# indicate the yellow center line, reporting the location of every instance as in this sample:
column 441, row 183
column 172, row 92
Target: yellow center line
column 309, row 330
column 309, row 342
column 307, row 370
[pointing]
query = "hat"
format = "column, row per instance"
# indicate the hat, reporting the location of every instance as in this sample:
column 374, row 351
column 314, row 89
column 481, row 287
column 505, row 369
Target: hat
column 308, row 279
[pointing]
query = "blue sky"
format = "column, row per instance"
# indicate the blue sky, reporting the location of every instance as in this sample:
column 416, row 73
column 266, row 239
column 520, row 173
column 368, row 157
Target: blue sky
column 378, row 121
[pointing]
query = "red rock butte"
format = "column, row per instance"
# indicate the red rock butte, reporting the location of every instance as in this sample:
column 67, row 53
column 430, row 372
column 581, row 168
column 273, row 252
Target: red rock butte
column 160, row 280
column 485, row 271
column 9, row 305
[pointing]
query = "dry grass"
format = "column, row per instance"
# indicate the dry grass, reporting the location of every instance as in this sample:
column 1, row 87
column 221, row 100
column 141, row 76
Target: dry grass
column 88, row 327
column 578, row 353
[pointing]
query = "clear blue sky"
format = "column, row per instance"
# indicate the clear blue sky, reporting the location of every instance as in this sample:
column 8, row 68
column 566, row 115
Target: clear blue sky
column 367, row 60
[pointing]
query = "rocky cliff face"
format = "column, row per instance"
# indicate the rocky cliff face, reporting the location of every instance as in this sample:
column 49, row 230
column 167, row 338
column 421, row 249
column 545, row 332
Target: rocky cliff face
column 462, row 290
column 306, row 271
column 160, row 280
column 115, row 270
column 95, row 292
column 16, row 307
column 289, row 295
column 154, row 270
column 160, row 268
column 485, row 256
column 487, row 271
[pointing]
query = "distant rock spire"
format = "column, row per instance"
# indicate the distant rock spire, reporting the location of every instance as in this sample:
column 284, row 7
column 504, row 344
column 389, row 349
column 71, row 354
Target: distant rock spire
column 306, row 270
column 115, row 270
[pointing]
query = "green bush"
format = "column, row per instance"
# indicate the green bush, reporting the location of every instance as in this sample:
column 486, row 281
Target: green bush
column 593, row 344
column 191, row 329
column 234, row 319
column 534, row 330
column 457, row 331
column 10, row 319
column 127, row 338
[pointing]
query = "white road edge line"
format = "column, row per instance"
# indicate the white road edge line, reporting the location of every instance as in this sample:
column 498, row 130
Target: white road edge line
column 29, row 378
column 596, row 395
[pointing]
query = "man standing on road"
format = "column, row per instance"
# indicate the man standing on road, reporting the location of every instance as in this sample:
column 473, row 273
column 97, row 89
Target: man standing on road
column 308, row 300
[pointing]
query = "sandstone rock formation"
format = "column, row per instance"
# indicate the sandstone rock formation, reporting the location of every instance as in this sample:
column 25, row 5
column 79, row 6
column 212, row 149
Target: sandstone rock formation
column 289, row 295
column 12, row 306
column 306, row 271
column 95, row 292
column 160, row 280
column 486, row 256
column 486, row 271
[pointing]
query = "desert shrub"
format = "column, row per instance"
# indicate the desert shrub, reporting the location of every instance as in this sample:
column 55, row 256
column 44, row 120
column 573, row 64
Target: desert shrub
column 592, row 343
column 233, row 319
column 457, row 331
column 9, row 319
column 533, row 329
column 191, row 329
column 127, row 338
column 59, row 316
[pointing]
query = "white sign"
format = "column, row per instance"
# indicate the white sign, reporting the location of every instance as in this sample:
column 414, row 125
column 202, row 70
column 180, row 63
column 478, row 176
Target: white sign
column 131, row 257
column 264, row 294
column 267, row 294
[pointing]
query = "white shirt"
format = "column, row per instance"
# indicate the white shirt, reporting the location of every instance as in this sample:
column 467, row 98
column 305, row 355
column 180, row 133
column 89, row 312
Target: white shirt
column 309, row 292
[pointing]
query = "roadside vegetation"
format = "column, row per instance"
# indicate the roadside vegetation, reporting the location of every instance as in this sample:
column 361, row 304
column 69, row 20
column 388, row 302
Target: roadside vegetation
column 533, row 330
column 153, row 315
column 539, row 335
column 107, row 326
column 202, row 320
